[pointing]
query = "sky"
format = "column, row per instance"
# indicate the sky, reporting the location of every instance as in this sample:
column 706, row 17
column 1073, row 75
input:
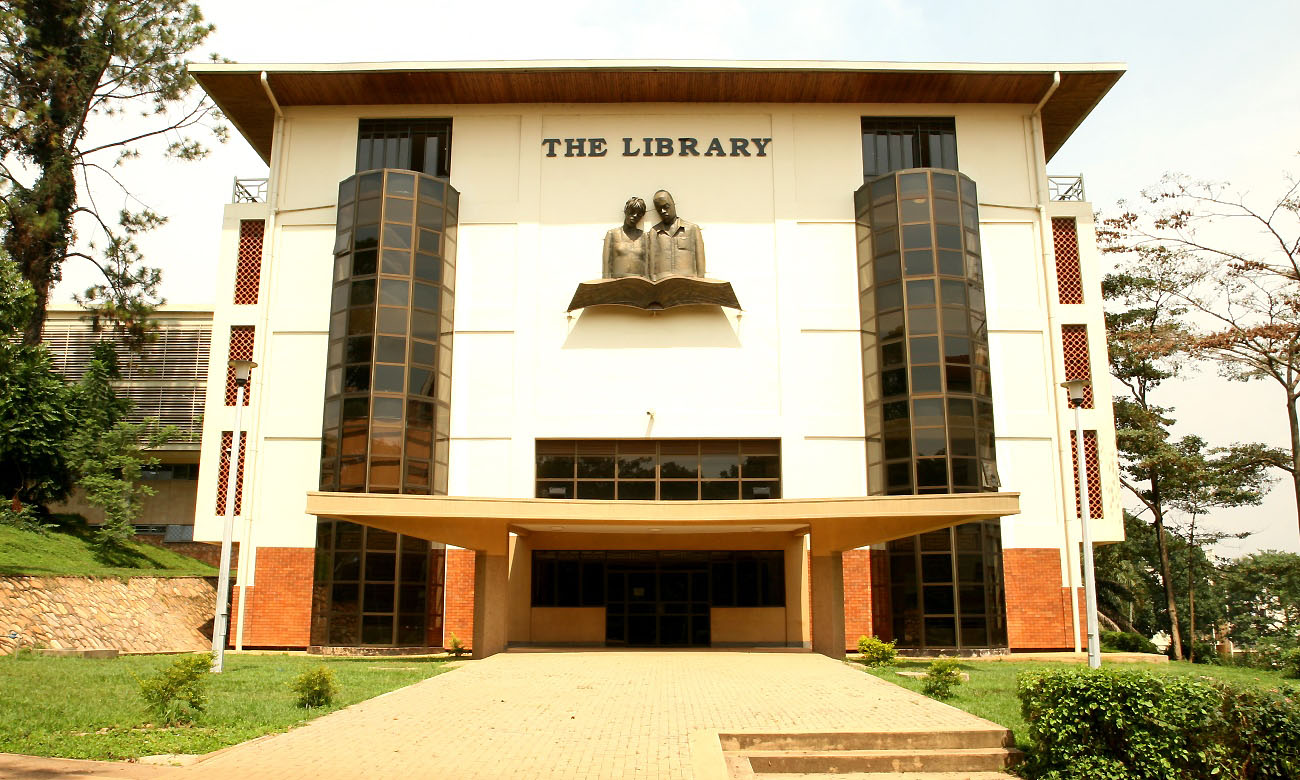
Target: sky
column 1212, row 90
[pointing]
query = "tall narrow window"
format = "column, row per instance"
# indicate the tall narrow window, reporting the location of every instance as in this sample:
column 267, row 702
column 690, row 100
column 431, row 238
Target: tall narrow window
column 421, row 145
column 248, row 265
column 894, row 143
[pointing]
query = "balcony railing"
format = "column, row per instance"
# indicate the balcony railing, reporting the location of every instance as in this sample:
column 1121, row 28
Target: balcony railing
column 249, row 191
column 1065, row 187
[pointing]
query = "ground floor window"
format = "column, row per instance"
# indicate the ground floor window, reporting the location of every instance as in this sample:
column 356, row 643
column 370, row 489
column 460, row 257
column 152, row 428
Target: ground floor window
column 658, row 597
column 375, row 588
column 946, row 588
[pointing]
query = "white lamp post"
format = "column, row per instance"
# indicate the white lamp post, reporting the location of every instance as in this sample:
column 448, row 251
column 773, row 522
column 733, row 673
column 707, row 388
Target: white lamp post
column 221, row 625
column 1075, row 388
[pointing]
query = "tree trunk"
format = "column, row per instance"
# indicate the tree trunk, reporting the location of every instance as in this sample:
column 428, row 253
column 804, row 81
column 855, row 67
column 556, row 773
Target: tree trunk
column 1166, row 573
column 1295, row 449
column 1191, row 591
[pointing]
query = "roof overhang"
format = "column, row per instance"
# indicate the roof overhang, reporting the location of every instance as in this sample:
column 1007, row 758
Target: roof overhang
column 239, row 93
column 835, row 523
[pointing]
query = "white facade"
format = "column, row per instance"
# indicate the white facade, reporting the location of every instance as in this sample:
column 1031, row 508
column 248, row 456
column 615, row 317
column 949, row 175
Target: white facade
column 779, row 227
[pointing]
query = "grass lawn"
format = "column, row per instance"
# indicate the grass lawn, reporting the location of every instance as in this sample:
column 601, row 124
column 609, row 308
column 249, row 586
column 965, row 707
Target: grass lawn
column 91, row 708
column 66, row 551
column 991, row 692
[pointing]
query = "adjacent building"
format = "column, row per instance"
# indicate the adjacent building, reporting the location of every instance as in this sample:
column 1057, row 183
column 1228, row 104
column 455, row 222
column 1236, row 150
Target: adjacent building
column 871, row 441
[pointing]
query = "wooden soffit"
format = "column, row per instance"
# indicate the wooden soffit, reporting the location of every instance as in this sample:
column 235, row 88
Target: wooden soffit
column 835, row 523
column 239, row 93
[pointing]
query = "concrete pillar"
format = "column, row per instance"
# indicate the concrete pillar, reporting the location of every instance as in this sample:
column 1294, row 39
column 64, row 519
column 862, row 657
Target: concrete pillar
column 796, row 593
column 491, row 602
column 828, row 602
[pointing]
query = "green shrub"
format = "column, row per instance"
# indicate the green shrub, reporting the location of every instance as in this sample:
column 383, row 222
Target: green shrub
column 1135, row 725
column 315, row 687
column 876, row 652
column 1291, row 664
column 457, row 647
column 178, row 693
column 941, row 677
column 1125, row 642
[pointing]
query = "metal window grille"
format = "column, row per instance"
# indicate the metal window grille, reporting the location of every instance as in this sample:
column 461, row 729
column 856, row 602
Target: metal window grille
column 1074, row 347
column 1094, row 473
column 223, row 473
column 241, row 348
column 1065, row 242
column 248, row 268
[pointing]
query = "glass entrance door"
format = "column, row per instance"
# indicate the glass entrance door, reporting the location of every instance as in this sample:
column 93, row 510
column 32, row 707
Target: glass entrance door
column 657, row 600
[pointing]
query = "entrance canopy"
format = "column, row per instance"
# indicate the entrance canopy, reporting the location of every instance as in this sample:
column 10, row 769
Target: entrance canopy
column 835, row 523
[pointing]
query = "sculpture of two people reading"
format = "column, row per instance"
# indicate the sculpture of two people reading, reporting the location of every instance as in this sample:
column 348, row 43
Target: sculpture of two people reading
column 653, row 269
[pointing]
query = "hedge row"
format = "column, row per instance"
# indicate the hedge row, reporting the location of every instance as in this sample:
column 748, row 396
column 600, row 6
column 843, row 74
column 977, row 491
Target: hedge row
column 1134, row 725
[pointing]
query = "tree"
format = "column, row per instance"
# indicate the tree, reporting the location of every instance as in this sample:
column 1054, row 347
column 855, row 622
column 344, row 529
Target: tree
column 1220, row 478
column 108, row 453
column 1144, row 338
column 1147, row 340
column 1236, row 268
column 36, row 417
column 1262, row 598
column 63, row 63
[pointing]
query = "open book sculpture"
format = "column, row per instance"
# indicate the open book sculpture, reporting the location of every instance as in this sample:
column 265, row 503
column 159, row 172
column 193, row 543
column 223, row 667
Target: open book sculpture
column 653, row 269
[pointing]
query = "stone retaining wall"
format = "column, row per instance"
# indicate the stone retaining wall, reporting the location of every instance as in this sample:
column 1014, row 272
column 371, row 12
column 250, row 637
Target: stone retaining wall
column 136, row 615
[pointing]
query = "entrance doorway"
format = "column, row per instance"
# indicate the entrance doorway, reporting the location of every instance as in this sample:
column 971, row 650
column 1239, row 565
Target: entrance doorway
column 657, row 600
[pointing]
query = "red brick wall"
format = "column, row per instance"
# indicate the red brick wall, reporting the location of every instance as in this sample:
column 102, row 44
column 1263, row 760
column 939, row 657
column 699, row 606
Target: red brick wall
column 278, row 613
column 866, row 596
column 857, row 596
column 1038, row 608
column 459, row 616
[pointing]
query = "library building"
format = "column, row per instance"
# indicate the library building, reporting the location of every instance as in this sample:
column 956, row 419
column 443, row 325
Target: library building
column 500, row 398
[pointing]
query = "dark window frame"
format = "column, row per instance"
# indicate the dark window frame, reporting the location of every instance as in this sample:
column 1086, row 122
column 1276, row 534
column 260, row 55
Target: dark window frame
column 756, row 476
column 895, row 143
column 404, row 144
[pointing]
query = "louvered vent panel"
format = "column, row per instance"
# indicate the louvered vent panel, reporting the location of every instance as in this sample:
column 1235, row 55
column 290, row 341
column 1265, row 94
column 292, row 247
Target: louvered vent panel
column 179, row 406
column 1074, row 346
column 177, row 354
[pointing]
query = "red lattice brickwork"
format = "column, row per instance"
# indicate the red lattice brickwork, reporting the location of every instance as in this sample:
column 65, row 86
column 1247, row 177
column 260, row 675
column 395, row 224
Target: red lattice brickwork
column 866, row 596
column 1038, row 607
column 223, row 474
column 1074, row 345
column 1065, row 242
column 241, row 348
column 278, row 612
column 248, row 267
column 459, row 614
column 1094, row 472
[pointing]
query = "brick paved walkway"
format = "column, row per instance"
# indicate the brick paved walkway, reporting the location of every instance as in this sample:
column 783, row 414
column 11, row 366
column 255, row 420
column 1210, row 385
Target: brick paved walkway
column 574, row 715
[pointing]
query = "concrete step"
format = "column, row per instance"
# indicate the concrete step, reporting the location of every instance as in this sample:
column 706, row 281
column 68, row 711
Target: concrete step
column 869, row 740
column 913, row 760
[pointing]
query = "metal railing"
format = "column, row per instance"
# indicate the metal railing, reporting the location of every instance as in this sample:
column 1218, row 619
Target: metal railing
column 1065, row 187
column 249, row 191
